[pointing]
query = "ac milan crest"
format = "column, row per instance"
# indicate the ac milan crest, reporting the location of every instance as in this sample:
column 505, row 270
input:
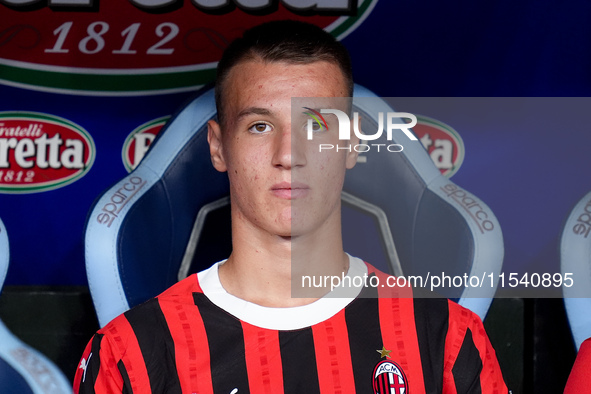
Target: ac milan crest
column 389, row 378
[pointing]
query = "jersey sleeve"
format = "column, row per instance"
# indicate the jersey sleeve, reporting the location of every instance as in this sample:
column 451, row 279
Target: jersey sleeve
column 471, row 364
column 580, row 375
column 98, row 370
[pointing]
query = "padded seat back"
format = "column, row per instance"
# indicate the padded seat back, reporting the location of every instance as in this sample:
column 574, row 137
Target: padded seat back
column 170, row 216
column 575, row 259
column 23, row 370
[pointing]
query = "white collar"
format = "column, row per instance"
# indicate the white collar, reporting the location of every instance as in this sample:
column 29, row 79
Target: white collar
column 291, row 318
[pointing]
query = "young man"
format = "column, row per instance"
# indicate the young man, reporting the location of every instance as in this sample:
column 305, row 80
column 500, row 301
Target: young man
column 235, row 327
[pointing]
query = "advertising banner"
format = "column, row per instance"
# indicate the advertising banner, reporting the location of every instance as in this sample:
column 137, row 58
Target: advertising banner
column 86, row 85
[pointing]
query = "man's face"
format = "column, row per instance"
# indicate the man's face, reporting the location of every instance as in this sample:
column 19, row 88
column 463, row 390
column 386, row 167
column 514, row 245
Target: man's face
column 279, row 182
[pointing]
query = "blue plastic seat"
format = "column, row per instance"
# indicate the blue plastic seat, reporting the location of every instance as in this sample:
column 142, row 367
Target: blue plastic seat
column 24, row 370
column 170, row 216
column 575, row 259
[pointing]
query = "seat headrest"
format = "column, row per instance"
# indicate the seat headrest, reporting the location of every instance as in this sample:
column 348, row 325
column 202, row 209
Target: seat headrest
column 575, row 260
column 4, row 254
column 140, row 230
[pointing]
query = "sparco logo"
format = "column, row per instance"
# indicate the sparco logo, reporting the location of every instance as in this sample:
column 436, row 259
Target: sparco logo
column 119, row 199
column 159, row 46
column 583, row 224
column 139, row 140
column 40, row 152
column 444, row 144
column 47, row 380
column 476, row 211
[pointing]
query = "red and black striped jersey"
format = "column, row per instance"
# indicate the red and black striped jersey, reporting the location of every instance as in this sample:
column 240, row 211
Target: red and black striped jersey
column 580, row 375
column 197, row 338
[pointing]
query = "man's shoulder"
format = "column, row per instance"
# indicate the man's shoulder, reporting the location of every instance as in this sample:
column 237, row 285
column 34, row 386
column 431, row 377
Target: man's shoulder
column 184, row 287
column 428, row 306
column 144, row 313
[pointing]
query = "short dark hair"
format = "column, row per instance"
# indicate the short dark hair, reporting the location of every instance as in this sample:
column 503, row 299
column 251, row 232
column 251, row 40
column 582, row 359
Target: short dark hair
column 283, row 41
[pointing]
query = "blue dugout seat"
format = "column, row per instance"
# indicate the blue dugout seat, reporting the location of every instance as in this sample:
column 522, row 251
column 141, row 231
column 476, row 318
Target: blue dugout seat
column 23, row 370
column 575, row 259
column 170, row 216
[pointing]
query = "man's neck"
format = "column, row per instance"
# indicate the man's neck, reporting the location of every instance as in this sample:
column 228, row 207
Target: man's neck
column 266, row 269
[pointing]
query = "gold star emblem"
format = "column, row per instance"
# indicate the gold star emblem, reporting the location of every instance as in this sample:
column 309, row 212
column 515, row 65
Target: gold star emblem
column 384, row 352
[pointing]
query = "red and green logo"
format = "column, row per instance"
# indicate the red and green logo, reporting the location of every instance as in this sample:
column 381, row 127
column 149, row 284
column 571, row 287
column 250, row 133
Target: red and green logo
column 40, row 152
column 139, row 140
column 444, row 144
column 138, row 47
column 317, row 117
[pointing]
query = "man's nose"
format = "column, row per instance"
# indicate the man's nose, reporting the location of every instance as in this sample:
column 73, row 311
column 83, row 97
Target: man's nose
column 288, row 150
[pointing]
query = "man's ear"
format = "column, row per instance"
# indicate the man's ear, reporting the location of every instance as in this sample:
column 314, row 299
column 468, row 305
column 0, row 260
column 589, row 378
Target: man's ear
column 351, row 159
column 214, row 138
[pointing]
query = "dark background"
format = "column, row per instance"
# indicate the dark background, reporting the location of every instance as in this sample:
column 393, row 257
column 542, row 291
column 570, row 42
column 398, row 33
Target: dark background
column 531, row 178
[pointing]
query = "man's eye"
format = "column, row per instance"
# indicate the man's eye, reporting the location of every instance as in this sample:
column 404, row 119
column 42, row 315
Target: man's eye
column 317, row 126
column 260, row 128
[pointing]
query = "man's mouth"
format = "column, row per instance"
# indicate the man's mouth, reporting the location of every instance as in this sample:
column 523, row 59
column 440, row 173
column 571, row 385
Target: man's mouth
column 290, row 190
